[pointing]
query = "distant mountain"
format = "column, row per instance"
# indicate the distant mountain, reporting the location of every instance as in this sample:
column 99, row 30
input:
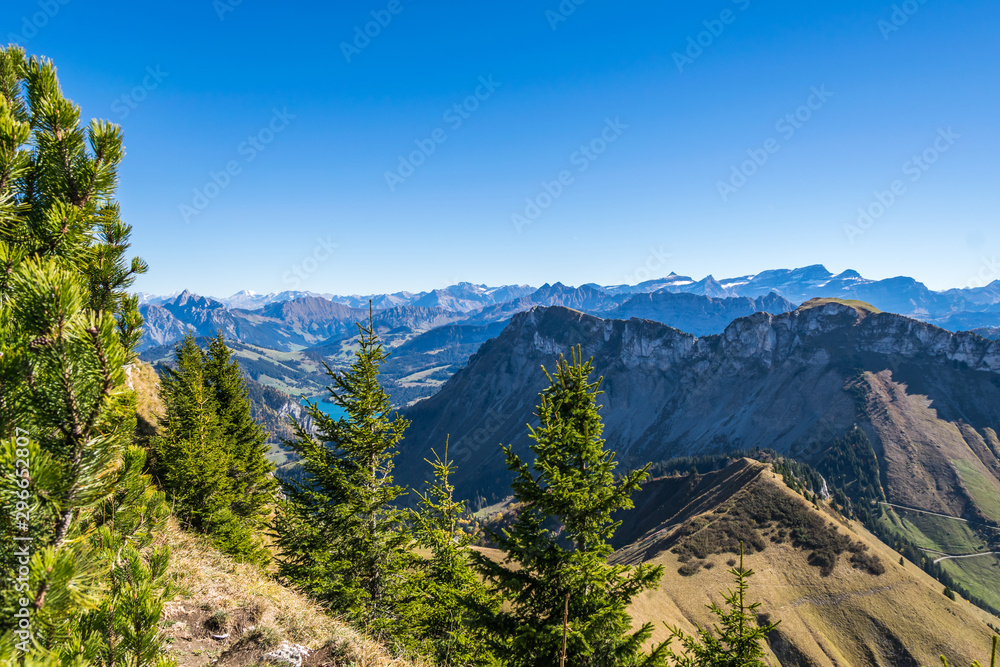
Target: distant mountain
column 248, row 300
column 671, row 283
column 993, row 333
column 954, row 309
column 462, row 297
column 928, row 400
column 767, row 381
column 588, row 298
column 694, row 314
column 282, row 326
column 466, row 297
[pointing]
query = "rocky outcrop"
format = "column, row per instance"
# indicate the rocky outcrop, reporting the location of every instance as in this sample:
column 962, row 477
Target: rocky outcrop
column 792, row 382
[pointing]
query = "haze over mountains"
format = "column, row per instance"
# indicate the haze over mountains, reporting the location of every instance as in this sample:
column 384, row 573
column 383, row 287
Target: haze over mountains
column 251, row 317
column 285, row 337
column 952, row 309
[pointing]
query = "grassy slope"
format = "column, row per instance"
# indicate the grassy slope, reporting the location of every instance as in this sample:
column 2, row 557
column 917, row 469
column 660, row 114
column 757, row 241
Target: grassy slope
column 929, row 463
column 853, row 303
column 848, row 618
column 216, row 596
column 142, row 378
column 979, row 575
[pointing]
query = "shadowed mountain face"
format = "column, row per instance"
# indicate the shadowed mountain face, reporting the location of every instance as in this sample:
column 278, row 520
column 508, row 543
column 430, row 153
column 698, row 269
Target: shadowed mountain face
column 928, row 399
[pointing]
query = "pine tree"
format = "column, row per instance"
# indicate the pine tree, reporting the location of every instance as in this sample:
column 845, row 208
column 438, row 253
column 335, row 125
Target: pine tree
column 558, row 545
column 737, row 640
column 67, row 329
column 129, row 615
column 339, row 535
column 453, row 593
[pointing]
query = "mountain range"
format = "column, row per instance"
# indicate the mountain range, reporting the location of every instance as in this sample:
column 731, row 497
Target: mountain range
column 288, row 335
column 953, row 309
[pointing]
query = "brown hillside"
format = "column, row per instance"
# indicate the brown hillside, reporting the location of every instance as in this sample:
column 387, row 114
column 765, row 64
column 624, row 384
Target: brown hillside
column 839, row 613
column 251, row 612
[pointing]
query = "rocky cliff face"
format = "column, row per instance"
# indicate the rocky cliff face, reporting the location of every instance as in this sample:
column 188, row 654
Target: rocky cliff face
column 792, row 382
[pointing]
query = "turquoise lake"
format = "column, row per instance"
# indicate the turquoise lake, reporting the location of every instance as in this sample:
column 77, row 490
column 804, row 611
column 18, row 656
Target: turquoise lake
column 334, row 411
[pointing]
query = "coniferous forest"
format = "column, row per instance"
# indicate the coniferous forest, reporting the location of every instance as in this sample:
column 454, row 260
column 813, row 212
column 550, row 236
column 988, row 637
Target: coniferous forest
column 90, row 504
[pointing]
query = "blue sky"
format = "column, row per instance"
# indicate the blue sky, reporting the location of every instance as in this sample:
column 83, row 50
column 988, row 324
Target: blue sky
column 601, row 146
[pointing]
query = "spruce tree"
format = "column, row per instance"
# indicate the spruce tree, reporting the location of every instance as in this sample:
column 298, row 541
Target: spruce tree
column 736, row 640
column 192, row 456
column 251, row 474
column 72, row 487
column 340, row 536
column 454, row 596
column 558, row 545
column 211, row 457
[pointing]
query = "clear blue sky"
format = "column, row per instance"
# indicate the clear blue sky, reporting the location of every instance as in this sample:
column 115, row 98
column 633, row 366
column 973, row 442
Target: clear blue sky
column 322, row 176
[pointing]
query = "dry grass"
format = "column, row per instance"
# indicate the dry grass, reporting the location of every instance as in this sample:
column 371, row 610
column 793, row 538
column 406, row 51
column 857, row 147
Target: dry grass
column 861, row 306
column 253, row 608
column 849, row 617
column 142, row 378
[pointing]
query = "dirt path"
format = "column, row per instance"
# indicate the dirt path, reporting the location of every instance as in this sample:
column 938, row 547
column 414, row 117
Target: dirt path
column 985, row 553
column 917, row 509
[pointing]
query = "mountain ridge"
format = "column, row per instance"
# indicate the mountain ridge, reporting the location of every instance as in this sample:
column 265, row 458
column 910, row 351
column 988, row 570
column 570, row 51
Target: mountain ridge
column 926, row 398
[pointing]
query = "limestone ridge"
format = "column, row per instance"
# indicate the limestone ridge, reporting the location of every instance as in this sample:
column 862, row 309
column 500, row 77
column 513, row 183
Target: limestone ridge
column 792, row 382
